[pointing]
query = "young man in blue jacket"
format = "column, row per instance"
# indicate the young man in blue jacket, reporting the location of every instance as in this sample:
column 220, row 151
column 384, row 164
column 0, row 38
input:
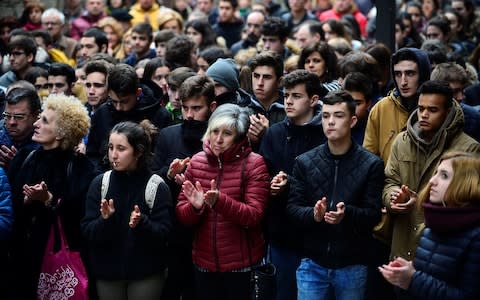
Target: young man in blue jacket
column 282, row 143
column 334, row 201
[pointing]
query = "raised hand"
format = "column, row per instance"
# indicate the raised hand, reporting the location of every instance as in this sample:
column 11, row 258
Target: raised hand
column 278, row 183
column 211, row 196
column 135, row 217
column 6, row 155
column 177, row 166
column 335, row 217
column 319, row 209
column 107, row 208
column 194, row 194
column 258, row 125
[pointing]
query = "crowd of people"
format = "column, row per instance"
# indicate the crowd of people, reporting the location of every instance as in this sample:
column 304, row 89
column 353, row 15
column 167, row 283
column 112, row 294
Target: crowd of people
column 182, row 144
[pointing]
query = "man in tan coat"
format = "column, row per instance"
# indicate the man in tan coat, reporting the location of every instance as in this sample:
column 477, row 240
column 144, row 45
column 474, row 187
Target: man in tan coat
column 434, row 128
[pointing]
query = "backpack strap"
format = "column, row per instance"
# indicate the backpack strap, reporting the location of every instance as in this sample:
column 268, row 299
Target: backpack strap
column 151, row 190
column 105, row 183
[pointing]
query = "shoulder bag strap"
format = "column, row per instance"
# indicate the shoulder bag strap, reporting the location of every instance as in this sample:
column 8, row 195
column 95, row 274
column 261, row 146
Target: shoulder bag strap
column 105, row 183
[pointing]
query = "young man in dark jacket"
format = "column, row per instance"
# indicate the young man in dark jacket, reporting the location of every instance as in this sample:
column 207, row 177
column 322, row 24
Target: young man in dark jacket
column 127, row 101
column 175, row 146
column 301, row 131
column 335, row 200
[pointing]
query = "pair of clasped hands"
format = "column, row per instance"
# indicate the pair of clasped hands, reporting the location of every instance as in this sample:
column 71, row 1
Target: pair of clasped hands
column 402, row 199
column 278, row 185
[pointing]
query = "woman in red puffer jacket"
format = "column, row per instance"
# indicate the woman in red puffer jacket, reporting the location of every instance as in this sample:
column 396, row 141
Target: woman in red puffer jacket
column 224, row 197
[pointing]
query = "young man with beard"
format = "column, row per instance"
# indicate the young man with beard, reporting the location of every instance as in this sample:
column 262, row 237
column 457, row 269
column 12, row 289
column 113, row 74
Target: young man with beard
column 175, row 145
column 300, row 132
column 334, row 202
column 410, row 68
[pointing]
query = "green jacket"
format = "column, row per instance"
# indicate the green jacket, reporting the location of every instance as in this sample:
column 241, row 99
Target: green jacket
column 412, row 162
column 385, row 121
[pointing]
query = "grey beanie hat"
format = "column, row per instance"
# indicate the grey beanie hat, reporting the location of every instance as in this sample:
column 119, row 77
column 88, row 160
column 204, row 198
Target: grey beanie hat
column 225, row 72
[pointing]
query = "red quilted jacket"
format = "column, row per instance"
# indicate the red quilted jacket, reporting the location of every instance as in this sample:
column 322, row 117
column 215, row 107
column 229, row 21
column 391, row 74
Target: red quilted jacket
column 228, row 236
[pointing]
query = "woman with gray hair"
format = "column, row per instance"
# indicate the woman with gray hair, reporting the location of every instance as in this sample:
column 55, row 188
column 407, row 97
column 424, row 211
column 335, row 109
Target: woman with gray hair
column 224, row 197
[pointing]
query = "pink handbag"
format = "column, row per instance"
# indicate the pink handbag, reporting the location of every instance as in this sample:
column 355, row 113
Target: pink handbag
column 63, row 274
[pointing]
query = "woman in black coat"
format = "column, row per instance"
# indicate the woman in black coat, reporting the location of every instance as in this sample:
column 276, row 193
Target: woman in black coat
column 49, row 182
column 447, row 263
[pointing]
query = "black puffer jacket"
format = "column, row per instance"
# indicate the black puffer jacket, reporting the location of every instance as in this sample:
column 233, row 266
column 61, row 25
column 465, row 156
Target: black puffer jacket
column 356, row 178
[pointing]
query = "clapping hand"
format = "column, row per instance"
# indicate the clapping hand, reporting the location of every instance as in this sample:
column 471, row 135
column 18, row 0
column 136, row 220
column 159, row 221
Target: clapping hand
column 319, row 209
column 398, row 272
column 107, row 208
column 135, row 216
column 194, row 194
column 336, row 216
column 36, row 192
column 278, row 183
column 211, row 196
column 403, row 199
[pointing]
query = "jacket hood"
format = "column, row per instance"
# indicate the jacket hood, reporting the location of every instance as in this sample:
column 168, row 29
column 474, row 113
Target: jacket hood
column 145, row 102
column 451, row 126
column 424, row 68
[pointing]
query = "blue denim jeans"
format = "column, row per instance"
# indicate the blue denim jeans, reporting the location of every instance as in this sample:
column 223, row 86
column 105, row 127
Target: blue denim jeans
column 286, row 262
column 317, row 282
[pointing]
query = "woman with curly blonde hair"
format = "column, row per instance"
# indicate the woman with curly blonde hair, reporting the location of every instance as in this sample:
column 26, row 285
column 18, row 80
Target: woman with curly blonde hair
column 39, row 179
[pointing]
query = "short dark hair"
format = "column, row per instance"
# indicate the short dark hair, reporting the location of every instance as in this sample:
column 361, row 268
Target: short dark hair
column 441, row 23
column 310, row 80
column 327, row 53
column 163, row 36
column 359, row 62
column 359, row 82
column 269, row 59
column 61, row 69
column 19, row 94
column 44, row 35
column 143, row 28
column 197, row 86
column 99, row 36
column 178, row 51
column 275, row 26
column 340, row 96
column 234, row 3
column 123, row 80
column 212, row 53
column 177, row 77
column 99, row 66
column 25, row 43
column 34, row 72
column 438, row 87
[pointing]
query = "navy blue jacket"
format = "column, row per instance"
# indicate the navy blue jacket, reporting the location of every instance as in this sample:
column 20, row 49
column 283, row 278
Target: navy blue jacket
column 355, row 178
column 280, row 146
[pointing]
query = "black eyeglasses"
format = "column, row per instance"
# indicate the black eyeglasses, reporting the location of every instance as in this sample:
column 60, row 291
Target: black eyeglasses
column 58, row 85
column 16, row 117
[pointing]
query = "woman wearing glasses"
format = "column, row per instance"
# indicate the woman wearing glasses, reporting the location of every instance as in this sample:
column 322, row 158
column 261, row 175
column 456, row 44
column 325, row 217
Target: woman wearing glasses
column 49, row 182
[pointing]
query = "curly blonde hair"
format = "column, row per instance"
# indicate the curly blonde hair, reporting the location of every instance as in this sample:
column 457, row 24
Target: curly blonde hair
column 73, row 121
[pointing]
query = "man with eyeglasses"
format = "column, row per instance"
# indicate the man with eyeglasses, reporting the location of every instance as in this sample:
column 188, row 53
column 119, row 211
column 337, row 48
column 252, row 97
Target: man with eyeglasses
column 54, row 21
column 128, row 100
column 61, row 78
column 22, row 50
column 21, row 111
